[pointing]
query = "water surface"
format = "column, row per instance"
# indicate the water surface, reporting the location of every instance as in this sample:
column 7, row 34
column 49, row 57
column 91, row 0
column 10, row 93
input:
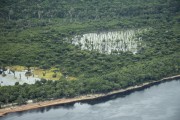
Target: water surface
column 159, row 102
column 20, row 77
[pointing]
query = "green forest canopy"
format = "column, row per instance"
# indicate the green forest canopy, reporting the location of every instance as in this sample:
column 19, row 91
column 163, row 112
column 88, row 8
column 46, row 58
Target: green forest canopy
column 34, row 33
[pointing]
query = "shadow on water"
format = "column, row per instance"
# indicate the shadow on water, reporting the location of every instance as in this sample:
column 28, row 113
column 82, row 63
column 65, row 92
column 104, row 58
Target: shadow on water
column 46, row 109
column 90, row 102
column 121, row 95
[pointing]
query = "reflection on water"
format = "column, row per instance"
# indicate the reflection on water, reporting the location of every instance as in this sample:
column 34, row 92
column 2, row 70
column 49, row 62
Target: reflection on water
column 159, row 102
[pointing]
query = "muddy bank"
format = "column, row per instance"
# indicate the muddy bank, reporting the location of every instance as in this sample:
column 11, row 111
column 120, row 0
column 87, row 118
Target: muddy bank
column 80, row 98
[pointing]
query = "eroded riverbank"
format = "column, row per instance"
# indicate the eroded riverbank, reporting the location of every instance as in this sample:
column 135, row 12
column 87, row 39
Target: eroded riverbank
column 80, row 98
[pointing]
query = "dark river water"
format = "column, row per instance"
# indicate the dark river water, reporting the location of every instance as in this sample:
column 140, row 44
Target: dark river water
column 158, row 102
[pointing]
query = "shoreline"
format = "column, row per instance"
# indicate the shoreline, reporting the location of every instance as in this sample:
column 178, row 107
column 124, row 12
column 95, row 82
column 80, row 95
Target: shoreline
column 37, row 105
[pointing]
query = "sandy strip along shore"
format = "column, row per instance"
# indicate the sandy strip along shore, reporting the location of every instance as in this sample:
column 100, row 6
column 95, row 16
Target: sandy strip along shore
column 31, row 106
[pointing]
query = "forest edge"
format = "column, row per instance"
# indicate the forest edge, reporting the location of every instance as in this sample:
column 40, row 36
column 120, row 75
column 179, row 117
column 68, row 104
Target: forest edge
column 37, row 105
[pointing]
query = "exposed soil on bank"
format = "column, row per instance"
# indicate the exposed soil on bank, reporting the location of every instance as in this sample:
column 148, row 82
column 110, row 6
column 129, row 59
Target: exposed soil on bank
column 31, row 106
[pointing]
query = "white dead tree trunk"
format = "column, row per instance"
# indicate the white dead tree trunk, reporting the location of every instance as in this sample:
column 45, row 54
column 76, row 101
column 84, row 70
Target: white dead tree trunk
column 106, row 42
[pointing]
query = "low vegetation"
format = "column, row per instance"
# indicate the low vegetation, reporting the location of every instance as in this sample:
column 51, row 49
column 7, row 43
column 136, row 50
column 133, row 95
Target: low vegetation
column 39, row 32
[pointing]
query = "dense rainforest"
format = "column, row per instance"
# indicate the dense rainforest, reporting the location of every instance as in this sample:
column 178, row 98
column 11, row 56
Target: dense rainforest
column 38, row 33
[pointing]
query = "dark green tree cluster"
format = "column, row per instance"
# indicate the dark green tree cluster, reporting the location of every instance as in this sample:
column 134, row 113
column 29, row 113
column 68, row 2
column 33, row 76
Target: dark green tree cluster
column 127, row 76
column 38, row 33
